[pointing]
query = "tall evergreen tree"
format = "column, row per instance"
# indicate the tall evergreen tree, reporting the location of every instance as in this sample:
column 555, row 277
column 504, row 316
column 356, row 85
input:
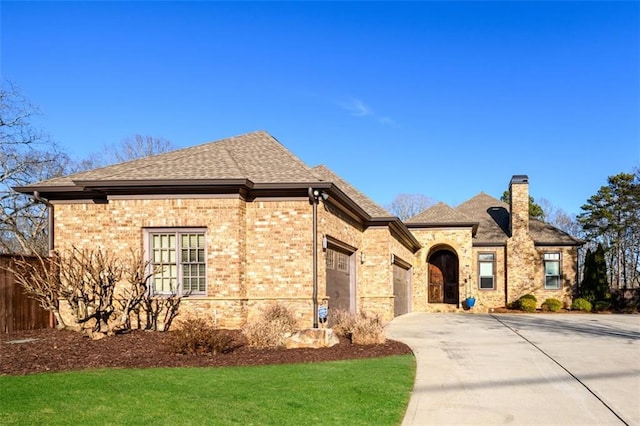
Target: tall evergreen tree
column 612, row 217
column 601, row 285
column 588, row 280
column 595, row 285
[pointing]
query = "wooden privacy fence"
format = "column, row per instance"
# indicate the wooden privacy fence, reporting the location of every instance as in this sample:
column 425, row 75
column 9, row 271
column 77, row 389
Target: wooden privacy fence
column 17, row 311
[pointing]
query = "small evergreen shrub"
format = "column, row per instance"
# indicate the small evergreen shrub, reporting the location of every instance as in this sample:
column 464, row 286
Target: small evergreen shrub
column 551, row 305
column 581, row 304
column 196, row 336
column 527, row 304
column 601, row 306
column 275, row 324
column 529, row 297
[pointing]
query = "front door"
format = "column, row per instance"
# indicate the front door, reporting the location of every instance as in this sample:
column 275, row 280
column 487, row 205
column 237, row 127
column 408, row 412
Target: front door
column 443, row 277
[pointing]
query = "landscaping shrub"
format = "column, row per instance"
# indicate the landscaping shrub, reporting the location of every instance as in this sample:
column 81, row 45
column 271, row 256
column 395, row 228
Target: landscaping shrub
column 342, row 322
column 274, row 325
column 527, row 304
column 552, row 305
column 368, row 330
column 581, row 304
column 198, row 336
column 529, row 297
column 601, row 305
column 361, row 328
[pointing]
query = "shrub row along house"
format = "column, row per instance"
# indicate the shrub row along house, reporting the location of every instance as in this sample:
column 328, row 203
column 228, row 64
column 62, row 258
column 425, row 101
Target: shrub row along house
column 240, row 223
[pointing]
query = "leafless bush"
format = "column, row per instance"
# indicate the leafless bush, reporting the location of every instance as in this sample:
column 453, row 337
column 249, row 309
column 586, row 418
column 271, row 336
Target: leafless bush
column 89, row 281
column 196, row 336
column 40, row 280
column 271, row 329
column 342, row 322
column 362, row 328
column 368, row 330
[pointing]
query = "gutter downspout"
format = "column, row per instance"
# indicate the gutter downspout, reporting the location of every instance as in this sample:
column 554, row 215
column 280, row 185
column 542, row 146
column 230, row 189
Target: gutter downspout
column 50, row 239
column 37, row 197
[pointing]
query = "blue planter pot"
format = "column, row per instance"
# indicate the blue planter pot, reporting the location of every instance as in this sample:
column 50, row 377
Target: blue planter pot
column 471, row 301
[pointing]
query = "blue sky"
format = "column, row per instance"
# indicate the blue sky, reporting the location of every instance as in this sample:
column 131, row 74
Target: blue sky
column 445, row 99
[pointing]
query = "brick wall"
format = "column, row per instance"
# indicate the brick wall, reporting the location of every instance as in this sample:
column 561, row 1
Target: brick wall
column 257, row 252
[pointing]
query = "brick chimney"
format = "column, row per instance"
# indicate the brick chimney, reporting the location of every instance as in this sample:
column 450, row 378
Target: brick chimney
column 519, row 205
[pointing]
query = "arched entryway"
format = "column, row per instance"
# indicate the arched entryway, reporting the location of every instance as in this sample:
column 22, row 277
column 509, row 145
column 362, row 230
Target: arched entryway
column 443, row 276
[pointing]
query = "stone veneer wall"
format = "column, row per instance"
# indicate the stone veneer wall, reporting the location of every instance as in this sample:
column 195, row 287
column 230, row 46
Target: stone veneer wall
column 490, row 298
column 457, row 239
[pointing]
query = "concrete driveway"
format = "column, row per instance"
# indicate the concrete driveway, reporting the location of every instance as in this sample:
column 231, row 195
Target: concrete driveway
column 555, row 369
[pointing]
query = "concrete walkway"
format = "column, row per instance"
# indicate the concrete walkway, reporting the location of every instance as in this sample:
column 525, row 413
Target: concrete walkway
column 533, row 369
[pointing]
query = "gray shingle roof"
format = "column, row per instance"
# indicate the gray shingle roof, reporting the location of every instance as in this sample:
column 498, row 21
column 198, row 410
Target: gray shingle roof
column 368, row 205
column 493, row 218
column 255, row 156
column 440, row 213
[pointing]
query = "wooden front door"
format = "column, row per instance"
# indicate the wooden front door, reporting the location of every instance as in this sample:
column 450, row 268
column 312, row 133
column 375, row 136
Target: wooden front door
column 443, row 277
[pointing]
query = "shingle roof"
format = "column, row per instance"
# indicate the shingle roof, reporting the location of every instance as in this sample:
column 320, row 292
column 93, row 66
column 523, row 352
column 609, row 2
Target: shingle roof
column 492, row 216
column 368, row 205
column 440, row 213
column 255, row 156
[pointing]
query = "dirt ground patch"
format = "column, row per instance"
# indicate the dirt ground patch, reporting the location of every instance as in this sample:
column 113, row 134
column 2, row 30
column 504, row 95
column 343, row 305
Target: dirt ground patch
column 50, row 350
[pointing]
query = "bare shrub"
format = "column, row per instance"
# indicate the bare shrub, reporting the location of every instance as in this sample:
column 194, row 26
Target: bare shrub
column 40, row 280
column 368, row 330
column 274, row 325
column 342, row 322
column 196, row 336
column 362, row 328
column 103, row 292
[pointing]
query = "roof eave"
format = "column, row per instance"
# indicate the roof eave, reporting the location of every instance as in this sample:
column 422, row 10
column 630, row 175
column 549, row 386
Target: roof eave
column 576, row 243
column 398, row 229
column 472, row 225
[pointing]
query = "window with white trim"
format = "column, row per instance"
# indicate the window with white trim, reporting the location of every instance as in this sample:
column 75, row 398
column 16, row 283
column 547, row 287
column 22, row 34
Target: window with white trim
column 486, row 271
column 178, row 258
column 552, row 271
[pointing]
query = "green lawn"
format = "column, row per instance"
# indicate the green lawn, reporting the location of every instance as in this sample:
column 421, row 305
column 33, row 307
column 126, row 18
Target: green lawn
column 368, row 391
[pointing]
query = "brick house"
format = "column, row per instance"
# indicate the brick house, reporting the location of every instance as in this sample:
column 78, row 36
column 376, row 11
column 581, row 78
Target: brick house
column 232, row 224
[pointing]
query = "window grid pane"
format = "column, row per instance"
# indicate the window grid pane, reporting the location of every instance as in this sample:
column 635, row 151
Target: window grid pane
column 343, row 262
column 163, row 250
column 330, row 259
column 190, row 269
column 193, row 265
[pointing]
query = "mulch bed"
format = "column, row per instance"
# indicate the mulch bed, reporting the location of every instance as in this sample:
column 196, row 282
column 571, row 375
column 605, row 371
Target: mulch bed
column 49, row 350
